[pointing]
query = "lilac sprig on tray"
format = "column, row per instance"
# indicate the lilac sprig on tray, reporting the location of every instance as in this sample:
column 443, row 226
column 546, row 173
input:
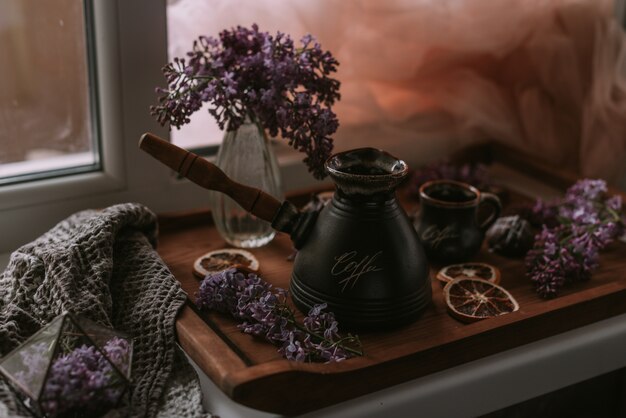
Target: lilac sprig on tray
column 542, row 213
column 246, row 73
column 475, row 174
column 586, row 221
column 264, row 312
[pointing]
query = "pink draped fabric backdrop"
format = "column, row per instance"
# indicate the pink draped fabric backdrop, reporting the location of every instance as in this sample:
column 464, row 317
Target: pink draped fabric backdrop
column 428, row 77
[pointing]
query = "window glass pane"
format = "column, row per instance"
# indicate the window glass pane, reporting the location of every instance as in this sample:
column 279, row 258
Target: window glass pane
column 45, row 104
column 202, row 131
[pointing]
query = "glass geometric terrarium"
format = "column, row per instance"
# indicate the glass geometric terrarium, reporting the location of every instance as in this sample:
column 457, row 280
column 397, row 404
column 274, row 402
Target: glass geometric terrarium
column 71, row 367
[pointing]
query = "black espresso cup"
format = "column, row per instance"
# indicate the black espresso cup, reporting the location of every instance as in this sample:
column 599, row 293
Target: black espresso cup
column 448, row 222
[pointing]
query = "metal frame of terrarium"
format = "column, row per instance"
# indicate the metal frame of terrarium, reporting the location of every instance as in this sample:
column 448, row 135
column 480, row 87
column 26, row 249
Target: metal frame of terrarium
column 26, row 396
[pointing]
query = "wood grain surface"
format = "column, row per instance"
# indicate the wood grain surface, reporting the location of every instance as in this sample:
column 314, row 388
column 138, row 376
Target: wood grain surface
column 253, row 373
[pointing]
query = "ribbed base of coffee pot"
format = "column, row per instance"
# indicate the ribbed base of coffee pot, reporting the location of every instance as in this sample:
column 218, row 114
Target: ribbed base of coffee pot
column 364, row 315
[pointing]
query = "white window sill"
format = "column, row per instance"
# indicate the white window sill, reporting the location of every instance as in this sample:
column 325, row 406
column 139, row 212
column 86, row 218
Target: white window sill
column 46, row 164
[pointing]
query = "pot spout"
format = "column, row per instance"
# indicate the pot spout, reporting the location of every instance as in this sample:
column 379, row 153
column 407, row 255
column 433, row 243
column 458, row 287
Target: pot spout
column 283, row 216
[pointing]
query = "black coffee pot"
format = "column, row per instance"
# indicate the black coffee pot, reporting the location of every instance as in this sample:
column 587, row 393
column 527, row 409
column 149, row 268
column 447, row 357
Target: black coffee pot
column 359, row 254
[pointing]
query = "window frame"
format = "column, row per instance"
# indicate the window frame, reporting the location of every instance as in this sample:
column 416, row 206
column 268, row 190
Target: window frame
column 26, row 207
column 102, row 178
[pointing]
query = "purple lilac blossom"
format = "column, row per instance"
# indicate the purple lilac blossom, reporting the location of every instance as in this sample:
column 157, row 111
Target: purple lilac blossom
column 118, row 351
column 263, row 312
column 544, row 213
column 85, row 380
column 587, row 221
column 247, row 73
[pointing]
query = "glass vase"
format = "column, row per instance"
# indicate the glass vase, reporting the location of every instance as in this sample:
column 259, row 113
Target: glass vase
column 246, row 157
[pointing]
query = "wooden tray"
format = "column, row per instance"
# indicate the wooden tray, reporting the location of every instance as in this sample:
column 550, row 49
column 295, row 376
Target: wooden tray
column 252, row 373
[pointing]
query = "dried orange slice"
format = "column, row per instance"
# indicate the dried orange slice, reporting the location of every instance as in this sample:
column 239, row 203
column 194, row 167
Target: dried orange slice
column 220, row 260
column 472, row 270
column 471, row 300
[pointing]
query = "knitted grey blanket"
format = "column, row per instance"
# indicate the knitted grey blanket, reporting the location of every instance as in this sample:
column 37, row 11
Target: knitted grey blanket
column 102, row 264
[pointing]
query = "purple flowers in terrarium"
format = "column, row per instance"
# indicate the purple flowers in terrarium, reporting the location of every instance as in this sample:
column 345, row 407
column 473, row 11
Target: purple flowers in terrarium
column 246, row 73
column 575, row 230
column 264, row 312
column 72, row 365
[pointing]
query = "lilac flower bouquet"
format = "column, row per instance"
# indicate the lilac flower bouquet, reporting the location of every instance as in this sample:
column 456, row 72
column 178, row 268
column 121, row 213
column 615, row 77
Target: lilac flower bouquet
column 575, row 230
column 264, row 313
column 246, row 73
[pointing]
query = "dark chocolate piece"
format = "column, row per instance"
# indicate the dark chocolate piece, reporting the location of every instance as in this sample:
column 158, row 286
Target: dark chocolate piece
column 510, row 236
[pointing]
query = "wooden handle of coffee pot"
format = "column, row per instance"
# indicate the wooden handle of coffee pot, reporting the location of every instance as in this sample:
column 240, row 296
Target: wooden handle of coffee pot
column 209, row 176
